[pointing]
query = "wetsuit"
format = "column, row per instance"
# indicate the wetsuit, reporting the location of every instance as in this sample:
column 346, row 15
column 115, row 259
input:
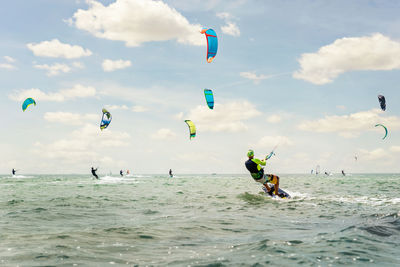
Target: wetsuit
column 121, row 173
column 94, row 173
column 13, row 171
column 254, row 166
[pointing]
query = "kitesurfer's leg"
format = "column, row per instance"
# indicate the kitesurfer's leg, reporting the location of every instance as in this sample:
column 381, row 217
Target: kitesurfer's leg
column 273, row 179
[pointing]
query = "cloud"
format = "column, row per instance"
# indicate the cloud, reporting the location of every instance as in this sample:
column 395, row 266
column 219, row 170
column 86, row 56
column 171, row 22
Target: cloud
column 82, row 145
column 69, row 118
column 230, row 28
column 112, row 65
column 274, row 118
column 137, row 22
column 350, row 126
column 375, row 52
column 376, row 154
column 139, row 109
column 56, row 49
column 78, row 91
column 163, row 134
column 341, row 107
column 272, row 141
column 125, row 107
column 8, row 65
column 55, row 69
column 9, row 59
column 256, row 79
column 395, row 148
column 116, row 107
column 227, row 117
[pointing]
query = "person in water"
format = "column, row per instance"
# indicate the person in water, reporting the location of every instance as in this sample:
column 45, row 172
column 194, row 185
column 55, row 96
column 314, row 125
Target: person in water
column 13, row 171
column 121, row 172
column 170, row 173
column 254, row 166
column 94, row 173
column 343, row 173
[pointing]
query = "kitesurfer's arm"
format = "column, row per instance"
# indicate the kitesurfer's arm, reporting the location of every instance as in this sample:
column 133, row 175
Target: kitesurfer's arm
column 261, row 162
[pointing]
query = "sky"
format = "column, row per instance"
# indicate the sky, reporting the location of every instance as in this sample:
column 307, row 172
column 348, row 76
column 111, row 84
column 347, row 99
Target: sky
column 301, row 76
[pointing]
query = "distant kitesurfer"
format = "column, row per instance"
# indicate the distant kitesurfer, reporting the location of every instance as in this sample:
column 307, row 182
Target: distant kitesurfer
column 343, row 173
column 254, row 166
column 326, row 173
column 121, row 172
column 170, row 173
column 13, row 171
column 94, row 173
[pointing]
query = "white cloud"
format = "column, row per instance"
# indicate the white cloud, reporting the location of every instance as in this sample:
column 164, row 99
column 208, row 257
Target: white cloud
column 56, row 49
column 138, row 109
column 112, row 65
column 351, row 125
column 227, row 117
column 274, row 118
column 70, row 118
column 272, row 141
column 376, row 154
column 163, row 134
column 376, row 52
column 78, row 91
column 55, row 69
column 125, row 107
column 9, row 59
column 341, row 107
column 254, row 77
column 78, row 65
column 231, row 29
column 116, row 107
column 7, row 66
column 82, row 145
column 395, row 148
column 137, row 22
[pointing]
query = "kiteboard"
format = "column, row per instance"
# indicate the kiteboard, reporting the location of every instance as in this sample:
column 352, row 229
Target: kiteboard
column 280, row 191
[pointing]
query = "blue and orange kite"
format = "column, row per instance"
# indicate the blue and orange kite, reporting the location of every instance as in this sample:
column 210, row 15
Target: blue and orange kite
column 212, row 43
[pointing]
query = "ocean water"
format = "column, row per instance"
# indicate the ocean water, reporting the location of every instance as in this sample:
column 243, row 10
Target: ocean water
column 199, row 220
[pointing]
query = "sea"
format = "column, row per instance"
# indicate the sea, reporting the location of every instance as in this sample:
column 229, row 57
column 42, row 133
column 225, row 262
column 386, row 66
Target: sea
column 199, row 220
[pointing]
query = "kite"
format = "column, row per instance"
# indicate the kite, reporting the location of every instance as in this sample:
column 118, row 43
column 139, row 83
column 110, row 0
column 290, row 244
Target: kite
column 212, row 43
column 386, row 131
column 382, row 102
column 105, row 120
column 209, row 98
column 192, row 128
column 29, row 101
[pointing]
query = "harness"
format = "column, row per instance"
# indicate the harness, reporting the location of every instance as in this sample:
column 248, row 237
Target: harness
column 252, row 167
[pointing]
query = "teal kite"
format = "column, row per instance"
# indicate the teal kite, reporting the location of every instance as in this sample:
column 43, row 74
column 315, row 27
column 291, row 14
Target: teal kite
column 209, row 98
column 105, row 120
column 29, row 101
column 386, row 131
column 212, row 43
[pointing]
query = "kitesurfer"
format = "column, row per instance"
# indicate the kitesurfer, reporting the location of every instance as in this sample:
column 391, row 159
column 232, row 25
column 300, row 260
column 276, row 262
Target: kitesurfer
column 170, row 173
column 94, row 173
column 121, row 172
column 254, row 166
column 343, row 173
column 13, row 171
